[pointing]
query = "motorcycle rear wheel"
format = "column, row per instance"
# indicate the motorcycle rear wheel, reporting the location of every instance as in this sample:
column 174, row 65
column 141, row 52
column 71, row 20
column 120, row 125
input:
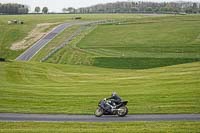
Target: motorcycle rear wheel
column 123, row 111
column 98, row 112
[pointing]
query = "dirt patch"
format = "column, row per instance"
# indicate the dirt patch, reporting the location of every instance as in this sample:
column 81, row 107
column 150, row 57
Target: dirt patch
column 37, row 33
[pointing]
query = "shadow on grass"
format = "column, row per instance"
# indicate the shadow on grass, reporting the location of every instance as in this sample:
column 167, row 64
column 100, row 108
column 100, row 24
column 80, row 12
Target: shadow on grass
column 139, row 63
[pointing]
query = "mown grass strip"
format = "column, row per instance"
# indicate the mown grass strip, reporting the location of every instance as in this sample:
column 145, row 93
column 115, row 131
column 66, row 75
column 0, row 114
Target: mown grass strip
column 136, row 127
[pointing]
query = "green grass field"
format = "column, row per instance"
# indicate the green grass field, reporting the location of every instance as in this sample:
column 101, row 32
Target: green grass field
column 138, row 44
column 162, row 65
column 150, row 60
column 73, row 89
column 136, row 127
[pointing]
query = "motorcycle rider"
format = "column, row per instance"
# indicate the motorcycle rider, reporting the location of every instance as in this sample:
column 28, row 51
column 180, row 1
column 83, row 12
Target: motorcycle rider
column 114, row 100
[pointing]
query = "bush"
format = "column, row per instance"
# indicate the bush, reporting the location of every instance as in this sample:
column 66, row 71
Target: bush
column 2, row 59
column 78, row 18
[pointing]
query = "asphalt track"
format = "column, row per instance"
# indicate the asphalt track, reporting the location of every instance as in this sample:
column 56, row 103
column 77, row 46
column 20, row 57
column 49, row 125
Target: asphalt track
column 29, row 53
column 91, row 118
column 35, row 48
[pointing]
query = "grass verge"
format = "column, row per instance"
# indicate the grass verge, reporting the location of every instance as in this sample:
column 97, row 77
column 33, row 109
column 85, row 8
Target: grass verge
column 136, row 127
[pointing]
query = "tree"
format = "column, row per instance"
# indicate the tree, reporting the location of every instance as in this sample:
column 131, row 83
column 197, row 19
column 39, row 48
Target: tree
column 0, row 7
column 71, row 10
column 45, row 10
column 134, row 9
column 64, row 10
column 37, row 9
column 195, row 8
column 148, row 9
column 22, row 9
column 189, row 10
column 11, row 8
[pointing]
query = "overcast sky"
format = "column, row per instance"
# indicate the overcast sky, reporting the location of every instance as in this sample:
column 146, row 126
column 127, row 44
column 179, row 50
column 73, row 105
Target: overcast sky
column 57, row 5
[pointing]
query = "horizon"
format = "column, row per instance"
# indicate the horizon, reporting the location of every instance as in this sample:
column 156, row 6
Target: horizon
column 76, row 3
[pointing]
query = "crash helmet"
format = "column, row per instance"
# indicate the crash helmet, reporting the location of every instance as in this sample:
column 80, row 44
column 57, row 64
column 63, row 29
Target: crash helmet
column 114, row 94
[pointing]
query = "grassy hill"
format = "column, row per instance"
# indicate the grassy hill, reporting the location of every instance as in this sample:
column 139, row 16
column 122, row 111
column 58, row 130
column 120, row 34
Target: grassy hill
column 150, row 60
column 137, row 43
column 50, row 88
column 10, row 34
column 157, row 61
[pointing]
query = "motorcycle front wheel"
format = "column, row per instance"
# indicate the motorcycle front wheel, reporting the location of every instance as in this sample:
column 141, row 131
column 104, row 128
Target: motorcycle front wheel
column 98, row 112
column 122, row 111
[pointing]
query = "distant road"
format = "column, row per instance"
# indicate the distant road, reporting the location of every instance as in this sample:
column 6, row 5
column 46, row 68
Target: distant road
column 92, row 118
column 30, row 52
column 35, row 48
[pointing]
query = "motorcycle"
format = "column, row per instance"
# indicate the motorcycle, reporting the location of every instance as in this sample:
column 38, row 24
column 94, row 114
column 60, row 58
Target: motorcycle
column 105, row 107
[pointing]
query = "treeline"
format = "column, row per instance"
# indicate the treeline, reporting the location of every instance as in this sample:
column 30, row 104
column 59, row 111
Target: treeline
column 44, row 10
column 11, row 8
column 140, row 7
